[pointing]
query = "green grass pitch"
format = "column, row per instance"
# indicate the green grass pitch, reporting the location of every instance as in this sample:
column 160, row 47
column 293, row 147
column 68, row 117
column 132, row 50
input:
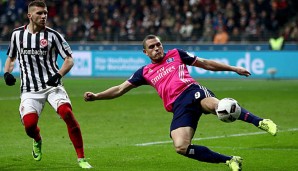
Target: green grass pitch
column 116, row 132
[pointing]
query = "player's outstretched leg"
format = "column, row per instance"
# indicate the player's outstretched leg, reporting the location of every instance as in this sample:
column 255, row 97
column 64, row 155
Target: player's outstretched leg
column 264, row 124
column 74, row 133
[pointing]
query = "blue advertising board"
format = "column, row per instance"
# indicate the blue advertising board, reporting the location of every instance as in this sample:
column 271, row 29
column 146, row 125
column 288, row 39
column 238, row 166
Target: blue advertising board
column 123, row 63
column 259, row 63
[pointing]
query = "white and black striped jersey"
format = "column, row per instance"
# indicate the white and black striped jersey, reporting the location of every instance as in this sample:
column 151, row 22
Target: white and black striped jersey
column 37, row 55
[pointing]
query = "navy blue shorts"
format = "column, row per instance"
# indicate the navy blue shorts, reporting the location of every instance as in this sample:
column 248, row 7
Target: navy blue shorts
column 187, row 109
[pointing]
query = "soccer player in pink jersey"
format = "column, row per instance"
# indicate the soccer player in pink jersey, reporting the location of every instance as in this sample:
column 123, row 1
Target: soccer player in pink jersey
column 184, row 97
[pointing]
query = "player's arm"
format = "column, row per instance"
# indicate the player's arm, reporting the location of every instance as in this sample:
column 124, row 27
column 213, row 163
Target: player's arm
column 216, row 66
column 65, row 51
column 66, row 66
column 9, row 65
column 110, row 93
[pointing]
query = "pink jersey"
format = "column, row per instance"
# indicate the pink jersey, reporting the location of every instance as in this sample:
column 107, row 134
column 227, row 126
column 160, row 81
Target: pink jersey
column 169, row 77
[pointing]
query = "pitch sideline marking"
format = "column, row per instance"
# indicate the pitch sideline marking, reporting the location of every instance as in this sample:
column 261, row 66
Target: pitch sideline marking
column 215, row 137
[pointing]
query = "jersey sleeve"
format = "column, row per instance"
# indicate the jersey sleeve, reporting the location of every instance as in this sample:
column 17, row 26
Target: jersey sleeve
column 186, row 57
column 62, row 46
column 12, row 49
column 137, row 79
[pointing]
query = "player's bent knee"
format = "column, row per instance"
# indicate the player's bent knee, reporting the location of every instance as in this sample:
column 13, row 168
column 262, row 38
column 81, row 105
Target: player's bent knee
column 30, row 120
column 65, row 111
column 181, row 149
column 66, row 114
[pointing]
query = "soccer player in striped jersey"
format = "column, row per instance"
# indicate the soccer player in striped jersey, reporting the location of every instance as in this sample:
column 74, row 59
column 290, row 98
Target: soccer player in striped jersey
column 36, row 47
column 184, row 97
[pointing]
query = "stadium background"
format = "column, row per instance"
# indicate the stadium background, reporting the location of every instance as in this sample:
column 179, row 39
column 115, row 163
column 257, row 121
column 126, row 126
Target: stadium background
column 106, row 35
column 116, row 132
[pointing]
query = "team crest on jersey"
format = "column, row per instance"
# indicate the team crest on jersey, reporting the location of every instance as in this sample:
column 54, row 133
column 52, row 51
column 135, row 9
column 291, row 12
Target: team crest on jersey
column 170, row 60
column 43, row 43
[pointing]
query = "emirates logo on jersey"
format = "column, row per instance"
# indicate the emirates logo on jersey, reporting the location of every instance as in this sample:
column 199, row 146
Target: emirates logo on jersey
column 162, row 73
column 43, row 43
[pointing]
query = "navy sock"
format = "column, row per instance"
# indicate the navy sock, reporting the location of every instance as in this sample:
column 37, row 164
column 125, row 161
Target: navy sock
column 246, row 116
column 204, row 154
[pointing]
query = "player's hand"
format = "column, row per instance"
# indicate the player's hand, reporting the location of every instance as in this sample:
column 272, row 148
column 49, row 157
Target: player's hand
column 9, row 79
column 243, row 71
column 54, row 80
column 89, row 96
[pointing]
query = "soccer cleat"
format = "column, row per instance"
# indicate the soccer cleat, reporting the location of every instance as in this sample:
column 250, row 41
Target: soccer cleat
column 235, row 163
column 269, row 126
column 84, row 164
column 36, row 152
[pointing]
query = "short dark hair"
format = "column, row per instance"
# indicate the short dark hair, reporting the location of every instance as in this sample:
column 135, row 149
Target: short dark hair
column 37, row 3
column 150, row 36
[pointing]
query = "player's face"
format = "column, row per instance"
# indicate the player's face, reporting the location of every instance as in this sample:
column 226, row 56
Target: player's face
column 38, row 16
column 154, row 50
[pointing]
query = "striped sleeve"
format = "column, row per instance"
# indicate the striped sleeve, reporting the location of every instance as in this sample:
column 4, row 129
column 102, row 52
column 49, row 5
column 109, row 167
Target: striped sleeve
column 12, row 49
column 61, row 44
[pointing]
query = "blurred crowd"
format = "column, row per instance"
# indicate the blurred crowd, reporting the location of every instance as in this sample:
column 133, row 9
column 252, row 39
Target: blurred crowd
column 217, row 21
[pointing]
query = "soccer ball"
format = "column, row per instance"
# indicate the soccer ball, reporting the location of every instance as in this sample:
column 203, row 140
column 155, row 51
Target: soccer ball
column 228, row 110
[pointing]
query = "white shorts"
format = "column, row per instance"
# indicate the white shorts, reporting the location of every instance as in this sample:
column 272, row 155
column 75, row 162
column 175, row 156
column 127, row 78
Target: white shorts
column 33, row 102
